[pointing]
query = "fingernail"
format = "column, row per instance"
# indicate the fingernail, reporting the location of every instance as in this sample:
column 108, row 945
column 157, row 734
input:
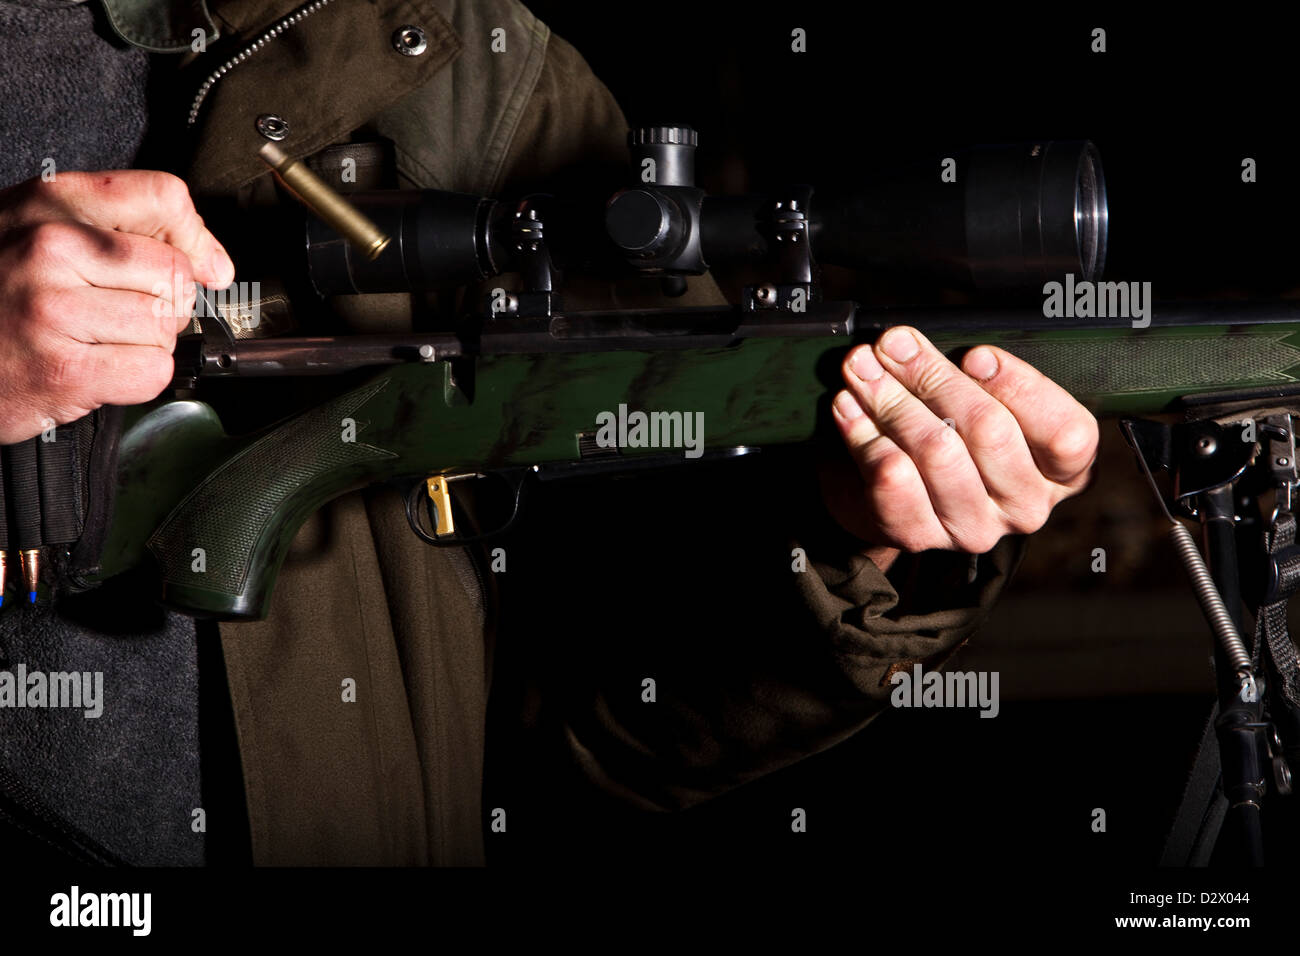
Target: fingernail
column 848, row 407
column 899, row 344
column 222, row 267
column 865, row 366
column 982, row 363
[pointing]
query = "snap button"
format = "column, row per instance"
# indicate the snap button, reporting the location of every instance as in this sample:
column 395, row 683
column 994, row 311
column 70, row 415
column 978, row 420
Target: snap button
column 273, row 127
column 409, row 40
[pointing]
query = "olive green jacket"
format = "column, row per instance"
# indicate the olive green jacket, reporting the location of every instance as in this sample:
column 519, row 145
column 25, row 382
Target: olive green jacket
column 396, row 776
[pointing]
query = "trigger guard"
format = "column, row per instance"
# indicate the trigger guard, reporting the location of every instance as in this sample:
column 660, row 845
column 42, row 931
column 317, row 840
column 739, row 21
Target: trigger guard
column 516, row 478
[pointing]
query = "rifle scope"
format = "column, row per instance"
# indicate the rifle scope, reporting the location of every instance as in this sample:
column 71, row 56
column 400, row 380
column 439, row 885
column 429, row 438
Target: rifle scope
column 997, row 217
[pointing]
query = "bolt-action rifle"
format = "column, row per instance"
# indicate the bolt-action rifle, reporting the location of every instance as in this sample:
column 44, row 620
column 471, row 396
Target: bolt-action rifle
column 516, row 389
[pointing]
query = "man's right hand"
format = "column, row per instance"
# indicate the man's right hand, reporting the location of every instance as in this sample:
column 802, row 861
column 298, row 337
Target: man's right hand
column 84, row 261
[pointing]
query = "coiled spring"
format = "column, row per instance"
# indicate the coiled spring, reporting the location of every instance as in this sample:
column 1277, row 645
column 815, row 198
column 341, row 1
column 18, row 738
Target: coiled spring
column 1208, row 595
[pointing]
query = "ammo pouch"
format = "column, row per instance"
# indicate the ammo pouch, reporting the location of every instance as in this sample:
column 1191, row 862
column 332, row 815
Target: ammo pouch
column 56, row 499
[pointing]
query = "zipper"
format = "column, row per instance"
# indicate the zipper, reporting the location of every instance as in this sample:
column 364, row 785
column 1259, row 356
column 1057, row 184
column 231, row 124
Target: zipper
column 281, row 25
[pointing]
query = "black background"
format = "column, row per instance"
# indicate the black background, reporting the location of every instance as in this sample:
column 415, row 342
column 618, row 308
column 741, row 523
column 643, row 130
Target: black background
column 1174, row 105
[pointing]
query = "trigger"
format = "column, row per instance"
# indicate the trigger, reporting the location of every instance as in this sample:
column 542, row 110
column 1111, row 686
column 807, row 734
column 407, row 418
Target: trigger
column 445, row 524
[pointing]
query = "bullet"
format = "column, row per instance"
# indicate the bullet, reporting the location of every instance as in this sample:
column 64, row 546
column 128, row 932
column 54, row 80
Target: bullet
column 337, row 212
column 31, row 561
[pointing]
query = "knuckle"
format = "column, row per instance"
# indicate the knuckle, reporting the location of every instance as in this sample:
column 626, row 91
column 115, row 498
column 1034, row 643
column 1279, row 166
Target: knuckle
column 1076, row 439
column 53, row 241
column 941, row 451
column 44, row 311
column 171, row 193
column 1030, row 518
column 1013, row 386
column 979, row 539
column 891, row 476
column 993, row 429
column 911, row 542
column 906, row 532
column 890, row 405
column 931, row 377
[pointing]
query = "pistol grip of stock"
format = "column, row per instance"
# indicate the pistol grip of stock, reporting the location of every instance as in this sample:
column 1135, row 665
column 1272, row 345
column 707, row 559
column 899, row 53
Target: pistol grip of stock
column 220, row 549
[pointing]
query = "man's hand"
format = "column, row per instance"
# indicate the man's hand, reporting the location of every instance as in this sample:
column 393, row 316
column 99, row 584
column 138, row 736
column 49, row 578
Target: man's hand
column 84, row 261
column 1013, row 445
